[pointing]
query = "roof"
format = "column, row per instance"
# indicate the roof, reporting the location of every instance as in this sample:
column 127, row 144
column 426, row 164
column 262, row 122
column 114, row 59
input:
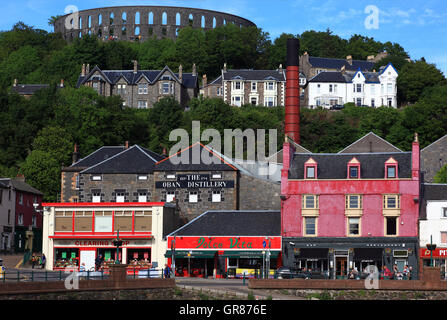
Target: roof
column 254, row 75
column 335, row 165
column 234, row 223
column 333, row 63
column 4, row 184
column 192, row 159
column 152, row 76
column 370, row 142
column 28, row 89
column 20, row 185
column 132, row 160
column 344, row 77
column 97, row 156
column 431, row 191
column 443, row 140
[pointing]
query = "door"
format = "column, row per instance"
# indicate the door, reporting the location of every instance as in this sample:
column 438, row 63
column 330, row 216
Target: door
column 88, row 257
column 341, row 266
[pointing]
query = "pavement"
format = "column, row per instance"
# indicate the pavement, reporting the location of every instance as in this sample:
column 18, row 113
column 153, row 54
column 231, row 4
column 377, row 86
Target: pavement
column 235, row 287
column 12, row 261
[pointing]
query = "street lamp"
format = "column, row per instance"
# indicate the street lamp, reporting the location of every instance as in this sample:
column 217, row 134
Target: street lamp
column 431, row 247
column 117, row 243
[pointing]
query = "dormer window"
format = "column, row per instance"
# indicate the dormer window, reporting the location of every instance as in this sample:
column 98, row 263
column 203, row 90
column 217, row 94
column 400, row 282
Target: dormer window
column 354, row 169
column 391, row 169
column 310, row 169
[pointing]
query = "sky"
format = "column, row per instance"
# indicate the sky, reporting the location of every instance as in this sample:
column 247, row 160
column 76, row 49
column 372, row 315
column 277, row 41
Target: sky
column 420, row 27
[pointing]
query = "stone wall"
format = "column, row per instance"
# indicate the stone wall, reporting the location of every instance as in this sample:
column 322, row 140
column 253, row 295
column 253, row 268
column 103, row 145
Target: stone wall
column 259, row 194
column 433, row 158
column 141, row 21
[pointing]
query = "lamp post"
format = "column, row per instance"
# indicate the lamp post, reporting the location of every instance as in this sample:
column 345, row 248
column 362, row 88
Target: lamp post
column 173, row 256
column 117, row 243
column 431, row 247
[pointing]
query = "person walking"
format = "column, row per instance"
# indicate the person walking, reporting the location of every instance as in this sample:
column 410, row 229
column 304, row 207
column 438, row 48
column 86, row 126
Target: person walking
column 44, row 260
column 98, row 262
column 167, row 271
column 33, row 260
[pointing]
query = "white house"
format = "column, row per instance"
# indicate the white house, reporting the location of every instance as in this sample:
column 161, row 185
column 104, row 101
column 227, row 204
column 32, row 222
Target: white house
column 364, row 88
column 433, row 225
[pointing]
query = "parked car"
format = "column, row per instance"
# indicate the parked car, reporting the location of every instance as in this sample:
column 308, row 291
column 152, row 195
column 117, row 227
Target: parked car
column 287, row 273
column 337, row 107
column 150, row 273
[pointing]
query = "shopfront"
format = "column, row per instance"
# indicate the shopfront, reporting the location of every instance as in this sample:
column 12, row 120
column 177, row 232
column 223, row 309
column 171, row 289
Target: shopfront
column 76, row 234
column 224, row 256
column 338, row 258
column 439, row 258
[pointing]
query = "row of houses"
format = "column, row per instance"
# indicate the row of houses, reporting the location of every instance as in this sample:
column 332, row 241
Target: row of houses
column 324, row 82
column 367, row 204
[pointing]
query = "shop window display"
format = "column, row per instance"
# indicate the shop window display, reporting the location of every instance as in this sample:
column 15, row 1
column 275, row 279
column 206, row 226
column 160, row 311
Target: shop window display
column 66, row 258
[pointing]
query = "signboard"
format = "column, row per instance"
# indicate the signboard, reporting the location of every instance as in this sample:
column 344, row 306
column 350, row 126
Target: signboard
column 104, row 224
column 99, row 243
column 185, row 181
column 223, row 243
column 437, row 253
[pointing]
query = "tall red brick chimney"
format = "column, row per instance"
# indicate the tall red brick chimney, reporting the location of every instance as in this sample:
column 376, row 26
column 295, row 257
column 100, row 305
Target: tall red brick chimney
column 292, row 119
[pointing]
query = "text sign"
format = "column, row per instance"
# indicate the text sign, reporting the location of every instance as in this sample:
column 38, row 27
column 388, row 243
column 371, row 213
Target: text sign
column 223, row 243
column 185, row 181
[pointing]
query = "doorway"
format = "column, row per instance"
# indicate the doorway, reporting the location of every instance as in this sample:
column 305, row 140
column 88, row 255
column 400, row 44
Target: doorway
column 341, row 267
column 88, row 258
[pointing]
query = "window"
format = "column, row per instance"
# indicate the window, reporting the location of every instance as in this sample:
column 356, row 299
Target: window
column 166, row 88
column 193, row 196
column 335, row 88
column 217, row 196
column 353, row 226
column 9, row 216
column 237, row 101
column 359, row 102
column 34, row 220
column 270, row 86
column 373, row 103
column 443, row 237
column 142, row 104
column 20, row 198
column 121, row 89
column 444, row 212
column 310, row 201
column 219, row 91
column 331, row 88
column 96, row 178
column 254, row 101
column 391, row 171
column 170, row 176
column 142, row 196
column 216, row 175
column 391, row 202
column 170, row 196
column 237, row 85
column 142, row 178
column 63, row 221
column 20, row 219
column 83, row 221
column 96, row 196
column 389, row 87
column 123, row 221
column 253, row 86
column 310, row 172
column 310, row 227
column 353, row 201
column 120, row 196
column 142, row 88
column 359, row 87
column 390, row 102
column 354, row 172
column 143, row 221
column 318, row 88
column 373, row 89
column 391, row 226
column 269, row 101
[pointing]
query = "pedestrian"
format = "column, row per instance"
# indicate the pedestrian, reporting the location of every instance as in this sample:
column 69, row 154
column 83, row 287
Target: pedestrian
column 44, row 260
column 98, row 262
column 33, row 260
column 406, row 272
column 167, row 271
column 82, row 267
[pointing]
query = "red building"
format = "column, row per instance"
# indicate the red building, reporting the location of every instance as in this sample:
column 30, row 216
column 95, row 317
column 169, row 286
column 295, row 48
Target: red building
column 350, row 209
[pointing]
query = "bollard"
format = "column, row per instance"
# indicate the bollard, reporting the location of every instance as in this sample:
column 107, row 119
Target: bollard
column 243, row 281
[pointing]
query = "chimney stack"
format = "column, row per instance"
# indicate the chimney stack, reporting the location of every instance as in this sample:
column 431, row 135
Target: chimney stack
column 349, row 59
column 292, row 119
column 83, row 70
column 204, row 81
column 370, row 58
column 194, row 69
column 16, row 82
column 135, row 66
column 225, row 67
column 180, row 73
column 126, row 146
column 62, row 83
column 87, row 69
column 75, row 157
column 280, row 69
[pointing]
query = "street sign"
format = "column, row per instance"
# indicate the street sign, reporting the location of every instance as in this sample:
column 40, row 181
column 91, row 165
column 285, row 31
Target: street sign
column 264, row 244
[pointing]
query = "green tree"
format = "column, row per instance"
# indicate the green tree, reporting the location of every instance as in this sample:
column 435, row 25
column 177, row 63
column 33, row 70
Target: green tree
column 55, row 141
column 441, row 175
column 415, row 77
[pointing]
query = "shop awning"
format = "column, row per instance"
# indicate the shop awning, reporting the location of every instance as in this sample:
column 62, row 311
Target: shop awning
column 247, row 254
column 191, row 254
column 312, row 253
column 367, row 254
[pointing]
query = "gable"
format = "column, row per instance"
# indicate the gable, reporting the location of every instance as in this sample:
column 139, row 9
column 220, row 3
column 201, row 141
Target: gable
column 370, row 143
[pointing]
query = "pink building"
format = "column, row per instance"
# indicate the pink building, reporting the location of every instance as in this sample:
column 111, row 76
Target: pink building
column 350, row 209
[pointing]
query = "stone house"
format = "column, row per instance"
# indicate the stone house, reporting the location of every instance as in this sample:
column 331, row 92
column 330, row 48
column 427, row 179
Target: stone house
column 142, row 88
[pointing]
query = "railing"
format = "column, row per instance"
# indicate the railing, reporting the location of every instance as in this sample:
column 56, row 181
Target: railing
column 39, row 276
column 138, row 273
